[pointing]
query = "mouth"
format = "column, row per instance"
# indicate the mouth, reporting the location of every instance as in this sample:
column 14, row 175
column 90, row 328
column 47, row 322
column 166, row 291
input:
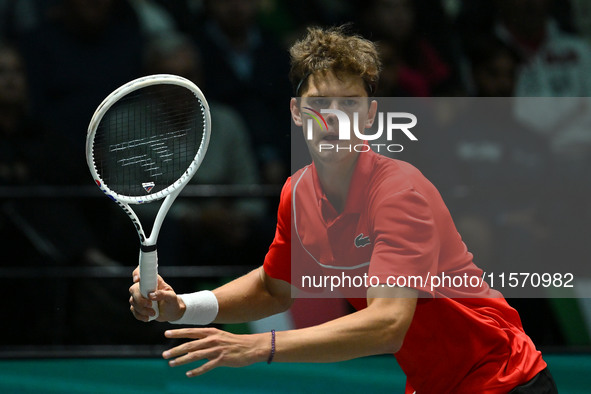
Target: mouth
column 331, row 137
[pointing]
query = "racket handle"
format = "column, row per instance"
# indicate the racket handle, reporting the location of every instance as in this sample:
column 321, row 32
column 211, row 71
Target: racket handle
column 149, row 275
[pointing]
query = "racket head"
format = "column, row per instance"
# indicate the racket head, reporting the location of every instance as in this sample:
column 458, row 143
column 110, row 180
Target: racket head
column 147, row 139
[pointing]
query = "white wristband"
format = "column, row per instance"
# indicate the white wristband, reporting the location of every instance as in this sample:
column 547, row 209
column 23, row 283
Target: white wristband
column 202, row 308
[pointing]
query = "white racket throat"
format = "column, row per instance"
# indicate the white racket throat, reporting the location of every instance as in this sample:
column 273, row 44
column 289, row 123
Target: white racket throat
column 145, row 142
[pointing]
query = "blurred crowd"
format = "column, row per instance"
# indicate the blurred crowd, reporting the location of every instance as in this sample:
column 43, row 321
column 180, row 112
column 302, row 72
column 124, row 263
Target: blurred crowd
column 522, row 198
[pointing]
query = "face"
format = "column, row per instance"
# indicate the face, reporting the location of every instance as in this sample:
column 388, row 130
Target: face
column 183, row 62
column 393, row 18
column 328, row 91
column 94, row 13
column 497, row 78
column 528, row 17
column 234, row 16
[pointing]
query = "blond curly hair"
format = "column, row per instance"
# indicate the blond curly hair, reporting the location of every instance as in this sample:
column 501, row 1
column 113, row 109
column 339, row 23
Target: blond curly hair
column 334, row 49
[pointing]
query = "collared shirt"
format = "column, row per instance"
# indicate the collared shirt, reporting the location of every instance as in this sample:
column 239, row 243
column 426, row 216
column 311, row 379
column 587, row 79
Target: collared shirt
column 395, row 225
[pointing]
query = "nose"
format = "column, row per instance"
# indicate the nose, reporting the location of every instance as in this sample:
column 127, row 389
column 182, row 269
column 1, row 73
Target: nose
column 332, row 119
column 334, row 104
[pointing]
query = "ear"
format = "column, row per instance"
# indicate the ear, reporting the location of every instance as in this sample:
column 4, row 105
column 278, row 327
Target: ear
column 296, row 114
column 371, row 114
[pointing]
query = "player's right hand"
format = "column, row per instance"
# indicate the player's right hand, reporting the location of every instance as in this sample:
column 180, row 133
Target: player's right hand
column 170, row 306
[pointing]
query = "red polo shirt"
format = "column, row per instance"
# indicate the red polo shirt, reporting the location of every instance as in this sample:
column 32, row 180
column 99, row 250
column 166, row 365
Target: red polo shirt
column 463, row 338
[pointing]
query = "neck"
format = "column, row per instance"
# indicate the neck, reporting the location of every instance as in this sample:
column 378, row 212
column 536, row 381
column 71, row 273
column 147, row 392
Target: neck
column 335, row 181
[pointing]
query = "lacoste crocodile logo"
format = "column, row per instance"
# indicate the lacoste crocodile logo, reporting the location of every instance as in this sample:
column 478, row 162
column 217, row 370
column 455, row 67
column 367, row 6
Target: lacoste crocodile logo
column 361, row 241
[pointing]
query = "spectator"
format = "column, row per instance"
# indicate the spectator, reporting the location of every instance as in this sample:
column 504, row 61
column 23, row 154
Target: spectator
column 492, row 67
column 78, row 55
column 495, row 177
column 492, row 153
column 36, row 232
column 478, row 17
column 245, row 68
column 412, row 64
column 154, row 18
column 26, row 156
column 186, row 13
column 554, row 86
column 19, row 17
column 19, row 146
column 553, row 64
column 222, row 227
column 17, row 131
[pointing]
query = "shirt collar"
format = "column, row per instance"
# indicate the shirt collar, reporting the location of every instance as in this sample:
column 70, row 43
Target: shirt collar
column 359, row 181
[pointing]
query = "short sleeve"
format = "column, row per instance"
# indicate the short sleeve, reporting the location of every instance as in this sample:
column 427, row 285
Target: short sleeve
column 407, row 244
column 277, row 262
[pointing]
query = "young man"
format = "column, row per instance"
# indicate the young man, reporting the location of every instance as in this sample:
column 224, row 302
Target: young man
column 456, row 340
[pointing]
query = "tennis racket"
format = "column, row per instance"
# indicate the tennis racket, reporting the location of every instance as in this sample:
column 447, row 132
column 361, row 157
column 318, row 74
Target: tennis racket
column 145, row 142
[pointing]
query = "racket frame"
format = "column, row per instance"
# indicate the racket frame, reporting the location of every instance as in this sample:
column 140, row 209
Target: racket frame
column 148, row 260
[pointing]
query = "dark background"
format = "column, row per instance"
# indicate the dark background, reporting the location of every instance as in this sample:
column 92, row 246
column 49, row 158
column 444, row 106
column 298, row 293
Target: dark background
column 518, row 193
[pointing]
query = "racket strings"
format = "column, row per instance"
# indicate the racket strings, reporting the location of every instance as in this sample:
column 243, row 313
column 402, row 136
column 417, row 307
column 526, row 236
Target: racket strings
column 148, row 139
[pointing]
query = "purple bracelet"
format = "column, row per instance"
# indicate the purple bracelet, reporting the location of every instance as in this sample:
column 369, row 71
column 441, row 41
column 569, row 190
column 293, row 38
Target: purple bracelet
column 272, row 354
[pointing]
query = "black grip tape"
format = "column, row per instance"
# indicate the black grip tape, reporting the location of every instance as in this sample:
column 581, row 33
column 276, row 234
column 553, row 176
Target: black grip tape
column 147, row 248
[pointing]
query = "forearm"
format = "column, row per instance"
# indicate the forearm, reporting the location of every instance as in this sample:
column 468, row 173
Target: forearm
column 248, row 298
column 363, row 333
column 378, row 329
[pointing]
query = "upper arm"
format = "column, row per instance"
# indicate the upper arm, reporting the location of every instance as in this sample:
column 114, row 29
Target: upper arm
column 277, row 262
column 406, row 241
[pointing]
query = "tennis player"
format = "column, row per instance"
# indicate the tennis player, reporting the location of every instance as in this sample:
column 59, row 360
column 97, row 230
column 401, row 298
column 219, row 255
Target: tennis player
column 350, row 208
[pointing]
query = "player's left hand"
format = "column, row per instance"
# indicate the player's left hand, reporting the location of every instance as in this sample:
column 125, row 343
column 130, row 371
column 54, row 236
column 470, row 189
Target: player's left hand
column 220, row 348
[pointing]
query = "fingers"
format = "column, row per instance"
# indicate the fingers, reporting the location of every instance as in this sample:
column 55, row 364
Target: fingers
column 220, row 348
column 162, row 295
column 190, row 333
column 136, row 275
column 195, row 355
column 140, row 307
column 162, row 284
column 195, row 350
column 168, row 305
column 208, row 366
column 142, row 314
column 187, row 347
column 212, row 356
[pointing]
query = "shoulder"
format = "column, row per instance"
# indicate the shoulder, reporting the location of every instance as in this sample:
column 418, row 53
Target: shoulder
column 395, row 175
column 301, row 177
column 400, row 183
column 285, row 196
column 300, row 181
column 286, row 189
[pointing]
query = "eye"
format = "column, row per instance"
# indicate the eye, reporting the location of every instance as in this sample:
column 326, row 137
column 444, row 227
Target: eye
column 319, row 102
column 349, row 103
